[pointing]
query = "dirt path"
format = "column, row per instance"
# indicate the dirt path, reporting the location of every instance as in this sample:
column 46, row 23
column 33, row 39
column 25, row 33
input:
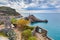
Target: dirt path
column 18, row 34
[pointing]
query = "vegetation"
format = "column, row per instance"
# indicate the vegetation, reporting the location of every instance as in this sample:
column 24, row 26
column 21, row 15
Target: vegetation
column 32, row 38
column 13, row 21
column 2, row 34
column 28, row 27
column 8, row 10
column 26, row 34
column 22, row 23
column 8, row 33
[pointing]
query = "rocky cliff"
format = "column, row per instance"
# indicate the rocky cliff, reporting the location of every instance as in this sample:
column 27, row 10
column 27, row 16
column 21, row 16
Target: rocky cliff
column 33, row 19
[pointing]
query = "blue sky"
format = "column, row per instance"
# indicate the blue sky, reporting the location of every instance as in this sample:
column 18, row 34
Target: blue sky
column 41, row 6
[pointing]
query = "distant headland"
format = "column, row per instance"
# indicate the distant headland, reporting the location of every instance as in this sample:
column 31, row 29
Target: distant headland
column 33, row 19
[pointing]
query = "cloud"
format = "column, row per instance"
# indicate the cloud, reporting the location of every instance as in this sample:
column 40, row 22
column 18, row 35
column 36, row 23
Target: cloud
column 21, row 6
column 39, row 11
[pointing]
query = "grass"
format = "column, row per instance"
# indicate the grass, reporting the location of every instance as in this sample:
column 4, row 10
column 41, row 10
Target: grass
column 2, row 34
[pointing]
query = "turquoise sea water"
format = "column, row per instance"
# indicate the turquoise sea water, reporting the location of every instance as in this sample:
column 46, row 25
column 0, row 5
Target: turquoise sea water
column 53, row 25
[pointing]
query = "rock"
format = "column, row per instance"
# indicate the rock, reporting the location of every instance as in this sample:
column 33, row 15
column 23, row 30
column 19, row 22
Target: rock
column 33, row 19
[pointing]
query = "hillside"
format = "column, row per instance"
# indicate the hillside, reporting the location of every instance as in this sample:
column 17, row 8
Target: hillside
column 8, row 11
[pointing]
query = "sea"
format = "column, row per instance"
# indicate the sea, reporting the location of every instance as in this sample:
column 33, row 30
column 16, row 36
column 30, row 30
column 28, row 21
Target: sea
column 53, row 25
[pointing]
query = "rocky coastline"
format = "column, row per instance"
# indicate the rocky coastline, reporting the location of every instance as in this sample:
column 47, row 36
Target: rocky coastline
column 33, row 19
column 40, row 35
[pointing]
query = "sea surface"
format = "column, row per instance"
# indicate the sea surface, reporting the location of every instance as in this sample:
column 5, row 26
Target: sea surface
column 53, row 25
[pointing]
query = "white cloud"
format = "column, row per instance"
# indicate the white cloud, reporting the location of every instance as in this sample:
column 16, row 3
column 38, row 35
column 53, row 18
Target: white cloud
column 4, row 0
column 19, row 6
column 39, row 11
column 32, row 5
column 44, row 6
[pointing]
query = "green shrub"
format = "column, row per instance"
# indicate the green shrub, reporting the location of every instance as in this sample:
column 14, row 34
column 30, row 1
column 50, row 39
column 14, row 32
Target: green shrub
column 31, row 28
column 13, row 21
column 28, row 27
column 3, row 34
column 26, row 34
column 32, row 38
column 1, row 22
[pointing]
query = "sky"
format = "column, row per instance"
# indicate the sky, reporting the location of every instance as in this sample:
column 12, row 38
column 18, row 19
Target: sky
column 33, row 6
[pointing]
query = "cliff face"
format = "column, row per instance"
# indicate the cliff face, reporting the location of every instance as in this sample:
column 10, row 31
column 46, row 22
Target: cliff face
column 8, row 11
column 34, row 19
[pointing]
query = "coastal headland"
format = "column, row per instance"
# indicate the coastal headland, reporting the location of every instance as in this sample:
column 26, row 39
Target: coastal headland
column 19, row 29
